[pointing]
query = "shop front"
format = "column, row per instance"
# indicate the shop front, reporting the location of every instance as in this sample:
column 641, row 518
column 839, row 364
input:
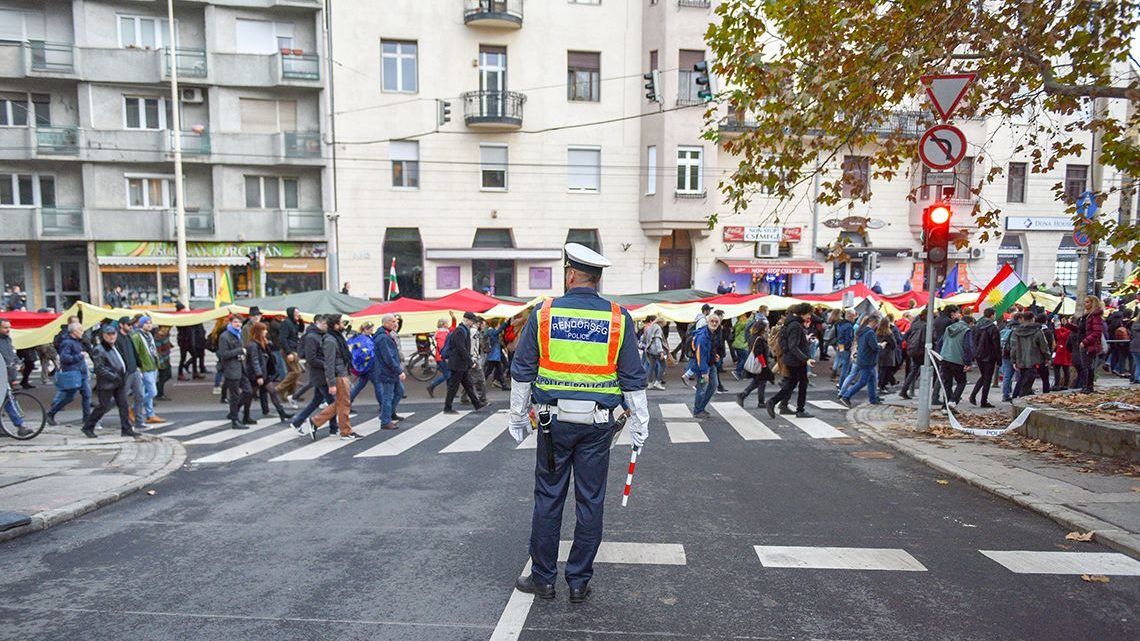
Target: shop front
column 146, row 273
column 774, row 276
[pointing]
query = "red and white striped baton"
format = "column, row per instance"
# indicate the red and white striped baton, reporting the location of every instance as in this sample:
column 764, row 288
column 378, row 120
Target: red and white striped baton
column 629, row 476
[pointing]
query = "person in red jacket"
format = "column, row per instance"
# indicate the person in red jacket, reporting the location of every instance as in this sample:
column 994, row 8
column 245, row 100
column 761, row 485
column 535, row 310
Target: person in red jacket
column 1092, row 326
column 1062, row 357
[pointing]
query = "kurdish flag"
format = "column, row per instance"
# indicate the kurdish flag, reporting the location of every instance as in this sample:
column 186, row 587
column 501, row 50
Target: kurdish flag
column 1003, row 291
column 393, row 285
column 225, row 292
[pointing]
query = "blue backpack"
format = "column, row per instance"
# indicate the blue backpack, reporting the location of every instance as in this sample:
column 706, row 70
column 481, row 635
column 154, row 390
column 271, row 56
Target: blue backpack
column 363, row 352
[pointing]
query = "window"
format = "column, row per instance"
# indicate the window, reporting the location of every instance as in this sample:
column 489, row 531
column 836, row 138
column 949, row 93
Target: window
column 267, row 116
column 14, row 109
column 270, row 192
column 262, row 36
column 150, row 192
column 1011, row 252
column 1066, row 265
column 398, row 66
column 689, row 170
column 27, row 190
column 584, row 169
column 1015, row 183
column 651, row 165
column 653, row 60
column 687, row 87
column 405, row 156
column 964, row 179
column 1076, row 179
column 492, row 237
column 540, row 278
column 403, row 244
column 583, row 76
column 856, row 175
column 141, row 32
column 585, row 237
column 493, row 166
column 145, row 113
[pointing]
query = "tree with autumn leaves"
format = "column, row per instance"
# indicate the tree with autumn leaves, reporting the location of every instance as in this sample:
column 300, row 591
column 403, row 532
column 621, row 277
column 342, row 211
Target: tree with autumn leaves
column 819, row 77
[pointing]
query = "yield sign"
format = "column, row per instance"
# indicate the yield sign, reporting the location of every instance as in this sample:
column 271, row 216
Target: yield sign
column 946, row 91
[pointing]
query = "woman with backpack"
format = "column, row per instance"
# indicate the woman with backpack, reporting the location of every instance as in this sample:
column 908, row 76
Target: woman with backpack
column 758, row 348
column 263, row 372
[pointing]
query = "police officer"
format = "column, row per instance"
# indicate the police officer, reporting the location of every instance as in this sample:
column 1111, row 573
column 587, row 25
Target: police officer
column 575, row 363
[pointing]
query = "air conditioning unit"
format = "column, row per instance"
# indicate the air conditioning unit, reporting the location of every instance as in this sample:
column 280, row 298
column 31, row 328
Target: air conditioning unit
column 767, row 250
column 192, row 95
column 977, row 253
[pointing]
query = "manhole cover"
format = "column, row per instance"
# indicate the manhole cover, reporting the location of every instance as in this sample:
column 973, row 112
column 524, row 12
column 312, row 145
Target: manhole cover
column 872, row 454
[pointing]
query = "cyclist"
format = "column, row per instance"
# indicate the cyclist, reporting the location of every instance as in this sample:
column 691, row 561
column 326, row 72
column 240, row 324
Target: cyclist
column 9, row 402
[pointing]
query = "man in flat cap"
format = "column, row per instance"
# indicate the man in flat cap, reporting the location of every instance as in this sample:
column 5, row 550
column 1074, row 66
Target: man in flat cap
column 576, row 362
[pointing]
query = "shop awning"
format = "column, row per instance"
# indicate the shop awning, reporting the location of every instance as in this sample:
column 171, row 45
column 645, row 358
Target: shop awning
column 775, row 266
column 163, row 261
column 493, row 253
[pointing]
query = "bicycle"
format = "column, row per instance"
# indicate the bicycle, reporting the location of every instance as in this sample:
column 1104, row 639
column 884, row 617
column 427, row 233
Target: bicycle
column 31, row 410
column 421, row 365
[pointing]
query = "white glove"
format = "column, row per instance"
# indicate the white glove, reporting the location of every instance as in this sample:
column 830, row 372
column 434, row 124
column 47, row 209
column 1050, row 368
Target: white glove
column 638, row 423
column 518, row 421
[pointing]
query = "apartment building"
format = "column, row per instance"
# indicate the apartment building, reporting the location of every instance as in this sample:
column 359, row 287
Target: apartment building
column 86, row 134
column 551, row 139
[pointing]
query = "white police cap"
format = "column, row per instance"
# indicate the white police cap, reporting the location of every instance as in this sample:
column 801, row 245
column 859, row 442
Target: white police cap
column 585, row 259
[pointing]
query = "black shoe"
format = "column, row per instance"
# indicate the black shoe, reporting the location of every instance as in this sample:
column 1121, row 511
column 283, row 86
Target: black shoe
column 803, row 414
column 701, row 414
column 248, row 421
column 986, row 405
column 845, row 401
column 904, row 396
column 580, row 594
column 448, row 410
column 22, row 431
column 51, row 420
column 284, row 416
column 973, row 400
column 740, row 400
column 89, row 432
column 130, row 433
column 431, row 391
column 238, row 425
column 771, row 407
column 313, row 430
column 397, row 417
column 27, row 386
column 163, row 398
column 530, row 586
column 786, row 411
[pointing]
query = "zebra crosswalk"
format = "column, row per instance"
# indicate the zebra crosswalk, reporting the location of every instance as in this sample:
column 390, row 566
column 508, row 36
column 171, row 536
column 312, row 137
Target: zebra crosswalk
column 213, row 442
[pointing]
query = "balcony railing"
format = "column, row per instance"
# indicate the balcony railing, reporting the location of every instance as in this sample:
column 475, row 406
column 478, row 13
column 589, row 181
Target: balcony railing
column 700, row 4
column 61, row 222
column 300, row 66
column 57, row 140
column 493, row 109
column 736, row 125
column 493, row 13
column 51, row 57
column 191, row 63
column 198, row 222
column 304, row 223
column 193, row 143
column 301, row 144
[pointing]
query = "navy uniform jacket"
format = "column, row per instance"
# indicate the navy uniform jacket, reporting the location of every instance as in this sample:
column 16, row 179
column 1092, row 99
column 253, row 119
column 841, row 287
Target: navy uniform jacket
column 630, row 371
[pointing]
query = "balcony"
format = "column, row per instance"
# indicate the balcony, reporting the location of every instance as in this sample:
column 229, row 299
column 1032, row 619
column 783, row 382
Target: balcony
column 497, row 110
column 191, row 63
column 301, row 144
column 300, row 66
column 734, row 126
column 54, row 58
column 304, row 223
column 199, row 222
column 498, row 14
column 61, row 222
column 699, row 4
column 193, row 143
column 61, row 141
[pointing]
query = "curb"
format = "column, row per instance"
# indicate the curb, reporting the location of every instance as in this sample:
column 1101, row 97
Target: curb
column 175, row 456
column 1106, row 533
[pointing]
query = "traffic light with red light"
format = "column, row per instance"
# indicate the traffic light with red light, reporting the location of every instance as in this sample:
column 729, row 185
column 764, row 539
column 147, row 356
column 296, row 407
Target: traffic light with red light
column 936, row 234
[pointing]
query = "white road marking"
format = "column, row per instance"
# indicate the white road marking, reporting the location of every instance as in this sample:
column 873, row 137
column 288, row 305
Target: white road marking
column 632, row 553
column 1028, row 562
column 675, row 410
column 253, row 447
column 479, row 436
column 513, row 618
column 404, row 441
column 685, row 433
column 530, row 442
column 827, row 405
column 230, row 434
column 196, row 427
column 748, row 426
column 831, row 558
column 814, row 427
column 329, row 443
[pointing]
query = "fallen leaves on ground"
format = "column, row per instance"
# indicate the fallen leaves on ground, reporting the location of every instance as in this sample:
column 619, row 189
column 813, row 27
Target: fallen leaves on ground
column 1094, row 578
column 1086, row 404
column 943, row 482
column 1080, row 536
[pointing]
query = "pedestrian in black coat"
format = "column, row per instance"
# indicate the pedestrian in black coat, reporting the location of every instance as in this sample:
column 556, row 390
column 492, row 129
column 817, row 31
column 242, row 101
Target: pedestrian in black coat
column 231, row 355
column 457, row 353
column 110, row 382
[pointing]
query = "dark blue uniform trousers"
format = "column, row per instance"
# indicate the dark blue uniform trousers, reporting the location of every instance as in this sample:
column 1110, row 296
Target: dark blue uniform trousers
column 585, row 449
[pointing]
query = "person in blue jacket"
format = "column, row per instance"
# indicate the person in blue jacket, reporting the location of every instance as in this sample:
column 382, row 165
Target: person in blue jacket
column 389, row 370
column 72, row 358
column 844, row 340
column 495, row 369
column 866, row 371
column 704, row 363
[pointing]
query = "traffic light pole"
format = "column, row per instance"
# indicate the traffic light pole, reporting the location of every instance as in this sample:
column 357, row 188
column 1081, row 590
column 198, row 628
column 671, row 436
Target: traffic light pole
column 926, row 376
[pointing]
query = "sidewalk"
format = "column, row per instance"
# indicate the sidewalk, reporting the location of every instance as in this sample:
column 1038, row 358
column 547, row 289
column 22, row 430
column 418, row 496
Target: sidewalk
column 1080, row 491
column 62, row 474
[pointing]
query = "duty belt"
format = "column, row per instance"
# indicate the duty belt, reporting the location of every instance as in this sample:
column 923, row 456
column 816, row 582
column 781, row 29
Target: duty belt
column 599, row 415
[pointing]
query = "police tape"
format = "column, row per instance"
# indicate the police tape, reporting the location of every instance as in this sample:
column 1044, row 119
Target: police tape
column 935, row 357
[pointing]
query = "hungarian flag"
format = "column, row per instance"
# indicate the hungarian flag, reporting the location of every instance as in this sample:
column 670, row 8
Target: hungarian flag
column 393, row 285
column 1004, row 290
column 225, row 292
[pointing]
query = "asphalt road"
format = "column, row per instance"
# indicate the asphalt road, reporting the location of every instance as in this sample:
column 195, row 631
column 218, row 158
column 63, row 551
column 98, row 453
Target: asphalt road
column 419, row 544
